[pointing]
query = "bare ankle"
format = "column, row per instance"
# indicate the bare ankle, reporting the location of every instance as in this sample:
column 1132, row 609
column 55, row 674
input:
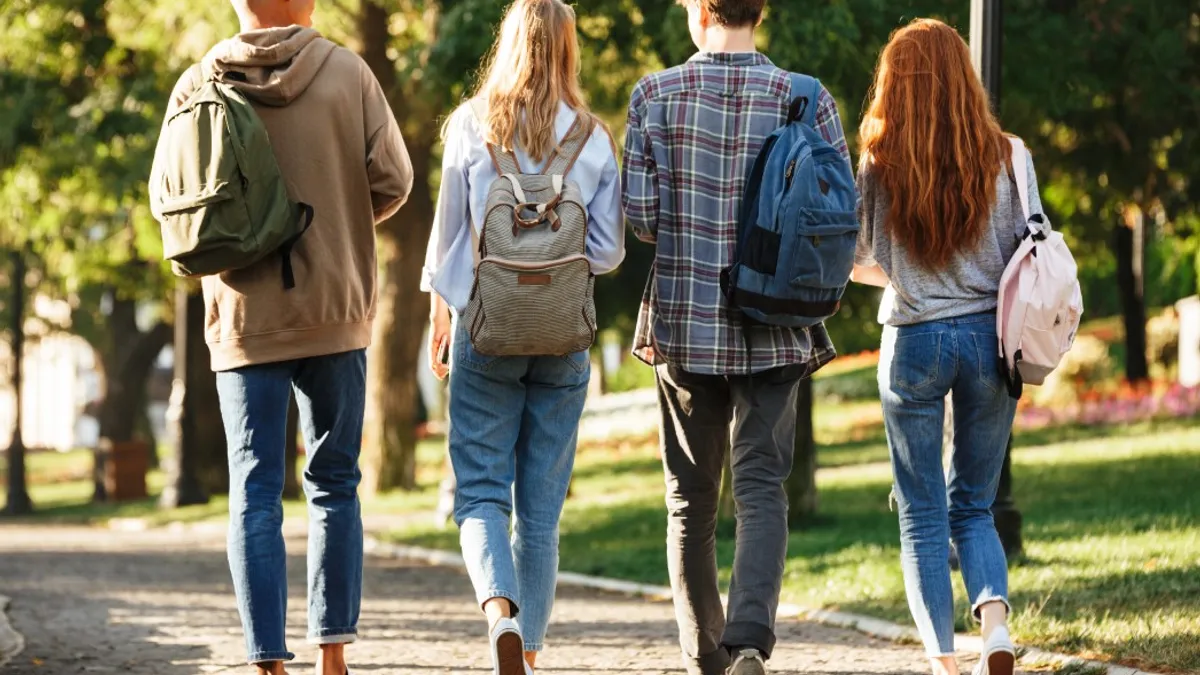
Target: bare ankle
column 332, row 660
column 269, row 668
column 531, row 658
column 496, row 609
column 944, row 665
column 992, row 615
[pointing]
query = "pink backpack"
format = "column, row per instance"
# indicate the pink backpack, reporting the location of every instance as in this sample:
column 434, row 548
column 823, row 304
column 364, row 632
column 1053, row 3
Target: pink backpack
column 1040, row 299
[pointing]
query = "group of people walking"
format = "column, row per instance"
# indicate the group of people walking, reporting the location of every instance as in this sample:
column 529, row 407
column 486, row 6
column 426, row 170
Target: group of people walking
column 937, row 205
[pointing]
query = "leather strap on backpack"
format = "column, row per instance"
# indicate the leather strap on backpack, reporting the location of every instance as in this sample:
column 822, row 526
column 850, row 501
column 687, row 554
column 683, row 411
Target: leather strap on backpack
column 562, row 159
column 566, row 153
column 504, row 160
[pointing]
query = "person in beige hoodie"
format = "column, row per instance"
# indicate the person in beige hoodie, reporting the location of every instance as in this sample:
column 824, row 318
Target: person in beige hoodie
column 339, row 149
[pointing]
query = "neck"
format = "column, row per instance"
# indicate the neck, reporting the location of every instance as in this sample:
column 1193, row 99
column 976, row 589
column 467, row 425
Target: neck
column 251, row 22
column 730, row 40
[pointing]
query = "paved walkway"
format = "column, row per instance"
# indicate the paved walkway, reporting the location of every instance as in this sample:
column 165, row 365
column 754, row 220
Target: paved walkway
column 99, row 601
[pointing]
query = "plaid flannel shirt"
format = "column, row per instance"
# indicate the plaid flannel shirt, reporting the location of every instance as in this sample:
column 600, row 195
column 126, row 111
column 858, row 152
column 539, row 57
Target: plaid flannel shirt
column 692, row 137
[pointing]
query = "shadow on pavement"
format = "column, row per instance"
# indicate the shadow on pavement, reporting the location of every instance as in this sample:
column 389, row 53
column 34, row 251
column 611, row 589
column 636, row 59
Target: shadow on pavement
column 163, row 604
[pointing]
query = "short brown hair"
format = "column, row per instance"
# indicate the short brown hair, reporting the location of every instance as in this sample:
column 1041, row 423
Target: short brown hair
column 732, row 13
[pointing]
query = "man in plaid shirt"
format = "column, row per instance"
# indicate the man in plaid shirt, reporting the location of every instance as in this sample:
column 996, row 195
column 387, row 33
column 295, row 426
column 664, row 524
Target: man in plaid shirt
column 693, row 134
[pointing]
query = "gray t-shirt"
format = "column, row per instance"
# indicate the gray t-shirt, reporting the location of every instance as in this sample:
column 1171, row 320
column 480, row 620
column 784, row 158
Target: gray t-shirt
column 969, row 284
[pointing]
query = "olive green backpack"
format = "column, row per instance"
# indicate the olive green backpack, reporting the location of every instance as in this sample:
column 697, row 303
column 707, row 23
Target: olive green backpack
column 217, row 191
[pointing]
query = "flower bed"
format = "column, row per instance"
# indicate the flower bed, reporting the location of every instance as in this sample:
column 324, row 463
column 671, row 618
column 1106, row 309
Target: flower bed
column 1161, row 400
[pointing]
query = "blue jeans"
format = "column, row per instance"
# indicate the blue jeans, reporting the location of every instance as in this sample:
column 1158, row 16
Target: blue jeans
column 514, row 422
column 331, row 394
column 919, row 365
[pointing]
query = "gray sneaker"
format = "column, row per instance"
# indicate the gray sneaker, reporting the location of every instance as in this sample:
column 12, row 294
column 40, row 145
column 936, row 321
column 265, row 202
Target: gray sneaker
column 748, row 662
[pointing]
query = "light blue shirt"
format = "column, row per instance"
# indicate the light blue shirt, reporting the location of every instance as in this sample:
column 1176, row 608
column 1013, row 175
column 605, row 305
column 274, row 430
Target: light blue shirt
column 468, row 173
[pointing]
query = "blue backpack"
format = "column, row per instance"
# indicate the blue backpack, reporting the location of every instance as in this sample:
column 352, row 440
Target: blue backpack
column 798, row 227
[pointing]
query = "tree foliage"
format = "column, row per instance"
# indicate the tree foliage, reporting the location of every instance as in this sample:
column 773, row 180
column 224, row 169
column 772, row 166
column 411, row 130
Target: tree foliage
column 1106, row 93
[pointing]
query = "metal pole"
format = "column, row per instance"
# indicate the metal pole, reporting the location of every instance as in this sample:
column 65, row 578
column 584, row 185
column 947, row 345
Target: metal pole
column 19, row 501
column 987, row 44
column 987, row 47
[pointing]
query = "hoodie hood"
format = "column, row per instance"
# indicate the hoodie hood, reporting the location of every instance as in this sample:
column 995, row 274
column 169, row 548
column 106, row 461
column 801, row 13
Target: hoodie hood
column 273, row 66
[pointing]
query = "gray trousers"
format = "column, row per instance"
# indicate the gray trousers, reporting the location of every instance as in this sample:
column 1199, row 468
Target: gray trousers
column 703, row 417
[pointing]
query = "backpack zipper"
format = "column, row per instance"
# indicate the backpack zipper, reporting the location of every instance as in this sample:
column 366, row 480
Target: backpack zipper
column 790, row 174
column 533, row 266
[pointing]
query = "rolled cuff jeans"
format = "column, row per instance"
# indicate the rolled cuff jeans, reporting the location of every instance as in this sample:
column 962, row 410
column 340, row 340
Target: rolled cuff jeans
column 919, row 365
column 331, row 395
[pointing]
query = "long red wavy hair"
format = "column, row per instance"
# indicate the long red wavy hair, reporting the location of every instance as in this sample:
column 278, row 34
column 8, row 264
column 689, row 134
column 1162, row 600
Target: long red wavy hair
column 931, row 139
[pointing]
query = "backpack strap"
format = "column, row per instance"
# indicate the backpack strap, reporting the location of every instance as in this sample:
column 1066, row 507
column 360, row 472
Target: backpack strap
column 1021, row 173
column 567, row 152
column 806, row 93
column 503, row 159
column 285, row 251
column 754, row 187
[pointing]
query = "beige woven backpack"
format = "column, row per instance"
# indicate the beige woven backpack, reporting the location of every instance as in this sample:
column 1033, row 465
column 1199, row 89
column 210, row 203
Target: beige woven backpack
column 533, row 293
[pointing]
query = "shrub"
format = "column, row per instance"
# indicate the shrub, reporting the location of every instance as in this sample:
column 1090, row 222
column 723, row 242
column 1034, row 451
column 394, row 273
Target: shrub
column 1162, row 345
column 1087, row 367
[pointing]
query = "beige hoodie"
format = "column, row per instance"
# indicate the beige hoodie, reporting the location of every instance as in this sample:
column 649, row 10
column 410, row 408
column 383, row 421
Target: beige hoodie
column 340, row 150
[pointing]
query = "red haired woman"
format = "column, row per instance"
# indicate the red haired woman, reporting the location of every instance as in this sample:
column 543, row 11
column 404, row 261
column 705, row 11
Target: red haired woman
column 940, row 211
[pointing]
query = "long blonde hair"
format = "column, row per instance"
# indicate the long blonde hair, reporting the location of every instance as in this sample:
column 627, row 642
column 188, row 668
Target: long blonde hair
column 932, row 140
column 533, row 67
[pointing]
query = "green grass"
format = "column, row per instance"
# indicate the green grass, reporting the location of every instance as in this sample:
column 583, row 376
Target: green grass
column 857, row 384
column 1112, row 531
column 843, row 379
column 849, row 433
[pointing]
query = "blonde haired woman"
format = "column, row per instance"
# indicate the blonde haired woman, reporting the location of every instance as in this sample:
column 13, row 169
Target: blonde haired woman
column 514, row 420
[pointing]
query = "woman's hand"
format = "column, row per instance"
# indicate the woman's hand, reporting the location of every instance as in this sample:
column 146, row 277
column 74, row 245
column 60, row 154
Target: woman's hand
column 439, row 337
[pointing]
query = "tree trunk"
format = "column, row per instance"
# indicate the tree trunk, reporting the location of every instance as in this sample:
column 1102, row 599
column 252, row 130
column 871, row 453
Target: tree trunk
column 205, row 435
column 18, row 502
column 1129, row 245
column 144, row 430
column 389, row 434
column 291, row 482
column 183, row 485
column 802, row 484
column 127, row 362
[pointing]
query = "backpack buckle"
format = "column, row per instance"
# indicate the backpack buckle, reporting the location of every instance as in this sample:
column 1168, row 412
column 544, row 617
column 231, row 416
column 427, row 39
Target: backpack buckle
column 544, row 212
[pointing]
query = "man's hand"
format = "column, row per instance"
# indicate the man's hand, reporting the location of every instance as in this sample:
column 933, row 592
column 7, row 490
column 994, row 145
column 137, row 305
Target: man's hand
column 439, row 337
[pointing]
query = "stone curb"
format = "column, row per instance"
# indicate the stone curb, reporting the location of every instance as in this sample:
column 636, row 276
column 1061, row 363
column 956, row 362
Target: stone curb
column 11, row 642
column 864, row 624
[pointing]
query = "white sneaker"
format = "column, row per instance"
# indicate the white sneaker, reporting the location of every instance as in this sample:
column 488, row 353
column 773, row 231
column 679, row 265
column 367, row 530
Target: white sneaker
column 748, row 662
column 999, row 655
column 508, row 649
